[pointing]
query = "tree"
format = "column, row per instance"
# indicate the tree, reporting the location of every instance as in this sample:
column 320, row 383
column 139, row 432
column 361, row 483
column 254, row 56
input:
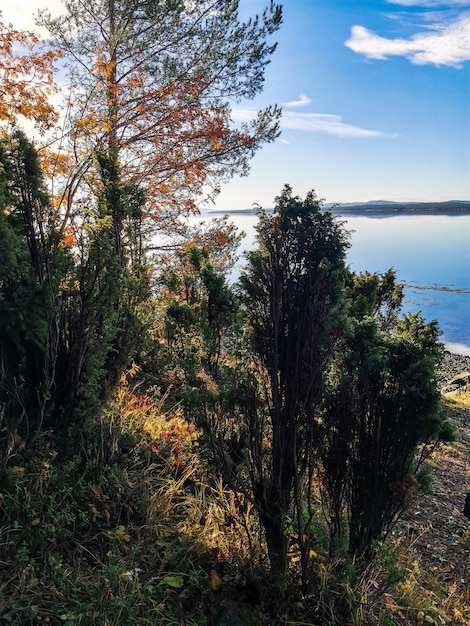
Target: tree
column 383, row 415
column 151, row 85
column 198, row 303
column 147, row 129
column 68, row 307
column 194, row 306
column 375, row 295
column 32, row 264
column 335, row 386
column 293, row 295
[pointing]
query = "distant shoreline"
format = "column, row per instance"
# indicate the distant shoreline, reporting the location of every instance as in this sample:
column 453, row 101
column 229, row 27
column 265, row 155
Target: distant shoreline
column 452, row 207
column 392, row 212
column 245, row 218
column 371, row 209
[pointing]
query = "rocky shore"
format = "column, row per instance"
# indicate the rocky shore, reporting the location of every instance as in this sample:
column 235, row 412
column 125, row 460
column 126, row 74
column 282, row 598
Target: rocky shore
column 452, row 365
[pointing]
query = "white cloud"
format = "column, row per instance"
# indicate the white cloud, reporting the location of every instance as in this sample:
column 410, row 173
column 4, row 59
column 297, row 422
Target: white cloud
column 323, row 123
column 442, row 44
column 302, row 101
column 458, row 348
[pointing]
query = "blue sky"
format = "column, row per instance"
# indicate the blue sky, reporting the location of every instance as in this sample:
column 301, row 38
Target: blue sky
column 376, row 101
column 375, row 97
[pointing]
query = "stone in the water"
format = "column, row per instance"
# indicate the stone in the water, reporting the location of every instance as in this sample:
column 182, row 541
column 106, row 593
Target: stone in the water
column 228, row 617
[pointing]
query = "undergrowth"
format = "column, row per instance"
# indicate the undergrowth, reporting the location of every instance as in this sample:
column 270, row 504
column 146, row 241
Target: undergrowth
column 130, row 536
column 133, row 528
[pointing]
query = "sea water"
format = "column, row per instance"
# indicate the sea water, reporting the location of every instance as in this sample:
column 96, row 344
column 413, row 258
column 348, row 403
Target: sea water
column 429, row 253
column 431, row 257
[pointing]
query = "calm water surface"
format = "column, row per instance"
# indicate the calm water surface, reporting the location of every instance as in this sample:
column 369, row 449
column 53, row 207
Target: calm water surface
column 430, row 254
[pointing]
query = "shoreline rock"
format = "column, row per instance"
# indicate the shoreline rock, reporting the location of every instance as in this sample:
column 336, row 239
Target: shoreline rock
column 452, row 365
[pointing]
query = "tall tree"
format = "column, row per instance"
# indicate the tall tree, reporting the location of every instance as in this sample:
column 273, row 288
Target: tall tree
column 32, row 264
column 292, row 292
column 147, row 132
column 151, row 87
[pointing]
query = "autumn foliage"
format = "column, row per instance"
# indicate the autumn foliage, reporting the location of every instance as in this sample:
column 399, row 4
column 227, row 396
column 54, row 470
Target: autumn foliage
column 145, row 134
column 26, row 78
column 153, row 91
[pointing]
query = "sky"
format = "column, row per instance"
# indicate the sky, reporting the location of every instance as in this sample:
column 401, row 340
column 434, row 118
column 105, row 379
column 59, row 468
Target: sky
column 375, row 97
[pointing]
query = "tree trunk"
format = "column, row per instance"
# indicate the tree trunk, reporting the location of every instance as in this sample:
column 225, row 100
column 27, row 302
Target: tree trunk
column 277, row 544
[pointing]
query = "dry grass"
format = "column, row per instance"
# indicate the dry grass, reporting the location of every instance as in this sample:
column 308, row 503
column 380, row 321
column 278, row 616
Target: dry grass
column 153, row 530
column 459, row 397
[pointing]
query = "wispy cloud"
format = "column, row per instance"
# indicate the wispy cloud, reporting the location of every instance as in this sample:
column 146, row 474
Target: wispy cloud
column 441, row 44
column 302, row 101
column 323, row 123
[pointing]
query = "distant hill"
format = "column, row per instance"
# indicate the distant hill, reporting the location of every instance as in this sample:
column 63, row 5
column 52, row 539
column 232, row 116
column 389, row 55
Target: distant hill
column 388, row 207
column 379, row 207
column 329, row 205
